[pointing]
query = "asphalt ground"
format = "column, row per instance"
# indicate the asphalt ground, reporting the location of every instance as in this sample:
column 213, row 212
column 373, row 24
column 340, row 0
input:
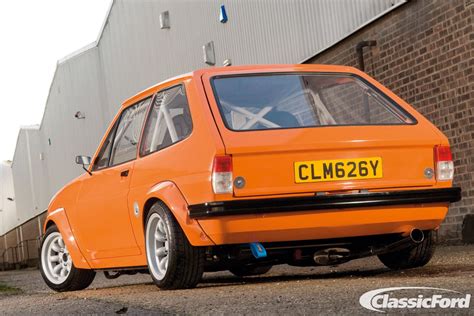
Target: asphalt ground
column 284, row 290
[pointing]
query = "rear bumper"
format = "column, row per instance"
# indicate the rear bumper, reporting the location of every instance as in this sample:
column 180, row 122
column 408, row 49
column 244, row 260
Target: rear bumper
column 325, row 202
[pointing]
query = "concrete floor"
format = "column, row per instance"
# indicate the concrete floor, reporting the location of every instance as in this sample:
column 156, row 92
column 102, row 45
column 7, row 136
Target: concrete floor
column 284, row 290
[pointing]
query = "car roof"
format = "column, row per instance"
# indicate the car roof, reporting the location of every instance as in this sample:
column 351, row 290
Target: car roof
column 210, row 71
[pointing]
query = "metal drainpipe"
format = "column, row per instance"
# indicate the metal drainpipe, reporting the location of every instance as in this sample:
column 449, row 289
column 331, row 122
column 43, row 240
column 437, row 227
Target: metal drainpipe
column 21, row 243
column 360, row 51
column 6, row 246
column 40, row 230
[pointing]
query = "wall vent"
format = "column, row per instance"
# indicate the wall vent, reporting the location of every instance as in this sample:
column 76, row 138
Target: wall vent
column 165, row 20
column 209, row 54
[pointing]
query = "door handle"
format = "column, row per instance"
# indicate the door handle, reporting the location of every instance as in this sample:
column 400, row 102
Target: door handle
column 124, row 173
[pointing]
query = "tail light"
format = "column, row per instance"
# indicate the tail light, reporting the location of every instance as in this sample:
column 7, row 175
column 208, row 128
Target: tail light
column 443, row 163
column 222, row 175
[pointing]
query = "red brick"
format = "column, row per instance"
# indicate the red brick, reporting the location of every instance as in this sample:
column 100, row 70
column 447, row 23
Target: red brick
column 425, row 54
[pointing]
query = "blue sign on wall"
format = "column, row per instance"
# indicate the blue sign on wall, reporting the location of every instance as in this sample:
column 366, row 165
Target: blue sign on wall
column 223, row 15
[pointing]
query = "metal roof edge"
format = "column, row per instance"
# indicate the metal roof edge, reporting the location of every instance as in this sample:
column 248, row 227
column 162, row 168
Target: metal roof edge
column 35, row 127
column 106, row 21
column 60, row 62
column 30, row 127
column 78, row 52
column 395, row 6
column 93, row 44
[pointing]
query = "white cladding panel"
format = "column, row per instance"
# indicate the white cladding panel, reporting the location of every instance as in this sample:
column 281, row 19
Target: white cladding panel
column 8, row 216
column 133, row 52
column 76, row 88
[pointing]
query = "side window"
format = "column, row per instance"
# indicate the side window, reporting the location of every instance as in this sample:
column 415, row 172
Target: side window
column 102, row 160
column 169, row 120
column 127, row 135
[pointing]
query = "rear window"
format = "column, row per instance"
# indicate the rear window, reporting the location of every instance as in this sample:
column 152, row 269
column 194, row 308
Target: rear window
column 274, row 101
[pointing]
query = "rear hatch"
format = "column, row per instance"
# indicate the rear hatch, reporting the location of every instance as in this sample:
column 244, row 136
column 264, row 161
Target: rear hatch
column 304, row 133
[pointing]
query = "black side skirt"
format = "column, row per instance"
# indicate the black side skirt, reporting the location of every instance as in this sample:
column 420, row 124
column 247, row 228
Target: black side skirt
column 324, row 202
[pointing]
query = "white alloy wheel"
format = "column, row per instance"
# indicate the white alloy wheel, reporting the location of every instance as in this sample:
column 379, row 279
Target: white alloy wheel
column 55, row 259
column 157, row 246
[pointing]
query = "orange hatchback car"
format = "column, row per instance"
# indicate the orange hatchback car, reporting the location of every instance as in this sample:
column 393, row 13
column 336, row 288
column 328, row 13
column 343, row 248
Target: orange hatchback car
column 243, row 168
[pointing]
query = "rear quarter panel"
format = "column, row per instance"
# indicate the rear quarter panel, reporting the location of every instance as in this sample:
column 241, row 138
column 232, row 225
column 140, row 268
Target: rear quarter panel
column 179, row 175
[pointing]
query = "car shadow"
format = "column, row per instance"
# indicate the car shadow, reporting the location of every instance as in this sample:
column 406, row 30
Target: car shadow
column 211, row 280
column 223, row 279
column 448, row 270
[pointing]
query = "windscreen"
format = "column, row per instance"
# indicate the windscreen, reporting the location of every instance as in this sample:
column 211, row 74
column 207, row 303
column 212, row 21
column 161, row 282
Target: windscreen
column 273, row 101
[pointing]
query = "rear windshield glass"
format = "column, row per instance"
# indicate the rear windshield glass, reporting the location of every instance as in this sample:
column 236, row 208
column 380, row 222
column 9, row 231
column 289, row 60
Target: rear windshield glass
column 275, row 101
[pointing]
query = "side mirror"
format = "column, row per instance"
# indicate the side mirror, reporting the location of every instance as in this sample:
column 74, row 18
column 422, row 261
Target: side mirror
column 84, row 161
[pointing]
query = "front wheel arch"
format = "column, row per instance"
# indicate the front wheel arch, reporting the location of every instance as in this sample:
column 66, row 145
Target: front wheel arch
column 48, row 224
column 74, row 278
column 59, row 219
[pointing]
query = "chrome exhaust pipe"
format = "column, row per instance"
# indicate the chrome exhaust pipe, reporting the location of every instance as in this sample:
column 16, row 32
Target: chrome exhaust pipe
column 332, row 256
column 417, row 236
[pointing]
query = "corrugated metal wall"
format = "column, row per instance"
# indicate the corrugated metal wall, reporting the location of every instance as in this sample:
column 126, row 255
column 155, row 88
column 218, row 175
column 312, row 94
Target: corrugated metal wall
column 8, row 217
column 133, row 52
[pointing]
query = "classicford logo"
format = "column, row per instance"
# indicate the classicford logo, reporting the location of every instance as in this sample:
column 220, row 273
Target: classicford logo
column 379, row 299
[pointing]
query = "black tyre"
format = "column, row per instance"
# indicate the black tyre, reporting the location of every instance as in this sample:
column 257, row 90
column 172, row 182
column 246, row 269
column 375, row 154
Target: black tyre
column 243, row 271
column 411, row 257
column 56, row 266
column 173, row 262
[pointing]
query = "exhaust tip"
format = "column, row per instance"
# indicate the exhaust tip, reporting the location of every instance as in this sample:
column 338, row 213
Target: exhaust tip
column 331, row 256
column 417, row 235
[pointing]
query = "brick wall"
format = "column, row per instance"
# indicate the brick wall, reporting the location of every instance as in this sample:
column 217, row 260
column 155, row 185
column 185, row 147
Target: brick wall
column 30, row 229
column 425, row 54
column 30, row 233
column 12, row 238
column 2, row 245
column 25, row 240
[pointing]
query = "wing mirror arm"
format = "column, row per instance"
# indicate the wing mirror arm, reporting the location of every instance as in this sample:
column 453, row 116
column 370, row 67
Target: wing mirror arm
column 84, row 161
column 87, row 170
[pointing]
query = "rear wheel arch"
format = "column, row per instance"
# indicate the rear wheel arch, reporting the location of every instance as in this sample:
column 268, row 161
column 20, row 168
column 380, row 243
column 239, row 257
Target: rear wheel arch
column 411, row 257
column 170, row 195
column 147, row 206
column 172, row 261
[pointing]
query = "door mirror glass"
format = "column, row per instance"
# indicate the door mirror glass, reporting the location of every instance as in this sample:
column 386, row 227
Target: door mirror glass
column 83, row 160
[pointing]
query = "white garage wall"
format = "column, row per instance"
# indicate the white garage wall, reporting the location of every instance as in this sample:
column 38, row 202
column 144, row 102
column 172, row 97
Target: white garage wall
column 132, row 53
column 8, row 217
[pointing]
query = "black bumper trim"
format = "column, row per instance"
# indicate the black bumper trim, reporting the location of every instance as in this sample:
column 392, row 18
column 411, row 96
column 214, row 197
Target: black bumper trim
column 324, row 202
